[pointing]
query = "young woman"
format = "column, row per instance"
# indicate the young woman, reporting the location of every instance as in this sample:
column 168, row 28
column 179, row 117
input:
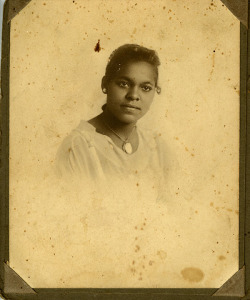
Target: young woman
column 111, row 144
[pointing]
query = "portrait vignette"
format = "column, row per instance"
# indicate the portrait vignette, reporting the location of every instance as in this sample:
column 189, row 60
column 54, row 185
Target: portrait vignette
column 38, row 132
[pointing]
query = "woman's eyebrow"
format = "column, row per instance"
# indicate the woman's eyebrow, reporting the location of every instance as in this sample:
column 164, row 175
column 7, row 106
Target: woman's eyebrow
column 147, row 82
column 131, row 80
column 125, row 78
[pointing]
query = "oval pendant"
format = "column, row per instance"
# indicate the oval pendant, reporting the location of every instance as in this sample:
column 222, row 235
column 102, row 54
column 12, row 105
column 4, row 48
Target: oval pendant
column 127, row 147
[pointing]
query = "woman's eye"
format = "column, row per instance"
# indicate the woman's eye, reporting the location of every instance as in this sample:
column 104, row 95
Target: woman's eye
column 146, row 88
column 123, row 84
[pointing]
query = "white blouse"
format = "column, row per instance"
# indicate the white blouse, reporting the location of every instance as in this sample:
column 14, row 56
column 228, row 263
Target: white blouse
column 88, row 153
column 91, row 156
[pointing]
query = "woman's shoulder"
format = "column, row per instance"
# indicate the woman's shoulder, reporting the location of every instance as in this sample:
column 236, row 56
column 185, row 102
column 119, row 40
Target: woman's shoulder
column 157, row 142
column 75, row 146
column 78, row 138
column 82, row 133
column 151, row 136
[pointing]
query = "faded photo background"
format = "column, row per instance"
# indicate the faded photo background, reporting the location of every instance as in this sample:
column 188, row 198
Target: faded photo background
column 75, row 235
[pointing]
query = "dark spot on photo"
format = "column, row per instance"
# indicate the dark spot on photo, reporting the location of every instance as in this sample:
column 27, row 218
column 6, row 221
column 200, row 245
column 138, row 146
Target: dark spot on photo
column 192, row 274
column 97, row 47
column 137, row 248
column 222, row 257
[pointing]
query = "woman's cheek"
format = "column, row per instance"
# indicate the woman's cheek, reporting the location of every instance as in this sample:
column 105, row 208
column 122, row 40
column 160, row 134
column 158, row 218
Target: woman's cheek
column 118, row 94
column 149, row 100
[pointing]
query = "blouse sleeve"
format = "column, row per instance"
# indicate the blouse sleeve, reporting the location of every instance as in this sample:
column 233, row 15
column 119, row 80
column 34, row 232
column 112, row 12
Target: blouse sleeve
column 168, row 164
column 77, row 156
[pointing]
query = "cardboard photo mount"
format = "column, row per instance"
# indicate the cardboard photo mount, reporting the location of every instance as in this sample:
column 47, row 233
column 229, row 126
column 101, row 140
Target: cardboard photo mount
column 236, row 287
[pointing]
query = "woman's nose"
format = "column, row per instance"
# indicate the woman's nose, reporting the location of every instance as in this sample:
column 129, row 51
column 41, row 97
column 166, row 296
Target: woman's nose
column 133, row 94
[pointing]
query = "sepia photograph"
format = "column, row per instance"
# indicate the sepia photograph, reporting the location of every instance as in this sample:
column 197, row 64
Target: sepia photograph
column 110, row 144
column 124, row 138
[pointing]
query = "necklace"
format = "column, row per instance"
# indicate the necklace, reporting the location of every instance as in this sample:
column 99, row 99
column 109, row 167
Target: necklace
column 126, row 146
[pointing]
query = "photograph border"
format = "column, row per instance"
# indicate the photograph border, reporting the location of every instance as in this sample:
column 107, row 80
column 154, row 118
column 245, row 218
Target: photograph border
column 125, row 293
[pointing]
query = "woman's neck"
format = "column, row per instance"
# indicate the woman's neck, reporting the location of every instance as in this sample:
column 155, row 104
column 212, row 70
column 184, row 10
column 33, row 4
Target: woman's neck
column 122, row 128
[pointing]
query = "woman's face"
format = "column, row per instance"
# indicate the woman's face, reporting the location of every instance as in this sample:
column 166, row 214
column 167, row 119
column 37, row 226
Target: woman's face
column 131, row 92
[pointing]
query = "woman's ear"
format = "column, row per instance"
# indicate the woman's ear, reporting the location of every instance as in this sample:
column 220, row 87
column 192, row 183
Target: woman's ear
column 158, row 90
column 104, row 85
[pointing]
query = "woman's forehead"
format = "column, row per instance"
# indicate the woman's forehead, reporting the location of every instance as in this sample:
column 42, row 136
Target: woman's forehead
column 138, row 71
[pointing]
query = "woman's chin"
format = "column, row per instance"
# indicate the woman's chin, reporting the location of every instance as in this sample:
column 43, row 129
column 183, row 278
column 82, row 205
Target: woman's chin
column 128, row 119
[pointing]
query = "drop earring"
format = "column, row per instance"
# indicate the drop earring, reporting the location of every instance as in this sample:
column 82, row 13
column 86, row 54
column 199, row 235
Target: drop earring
column 104, row 90
column 158, row 90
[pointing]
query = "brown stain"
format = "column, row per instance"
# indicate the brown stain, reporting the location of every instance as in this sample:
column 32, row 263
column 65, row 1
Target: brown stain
column 213, row 64
column 137, row 248
column 151, row 262
column 97, row 47
column 162, row 254
column 83, row 220
column 221, row 257
column 221, row 207
column 192, row 274
column 185, row 147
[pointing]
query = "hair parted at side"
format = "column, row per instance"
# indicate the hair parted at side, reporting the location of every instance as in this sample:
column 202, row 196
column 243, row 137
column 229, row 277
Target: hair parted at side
column 130, row 53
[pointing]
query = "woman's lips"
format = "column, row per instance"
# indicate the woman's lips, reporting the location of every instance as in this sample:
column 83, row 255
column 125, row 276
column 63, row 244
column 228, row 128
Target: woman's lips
column 131, row 107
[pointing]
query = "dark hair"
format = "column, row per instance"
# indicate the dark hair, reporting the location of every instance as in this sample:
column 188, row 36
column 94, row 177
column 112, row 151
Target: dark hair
column 130, row 53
